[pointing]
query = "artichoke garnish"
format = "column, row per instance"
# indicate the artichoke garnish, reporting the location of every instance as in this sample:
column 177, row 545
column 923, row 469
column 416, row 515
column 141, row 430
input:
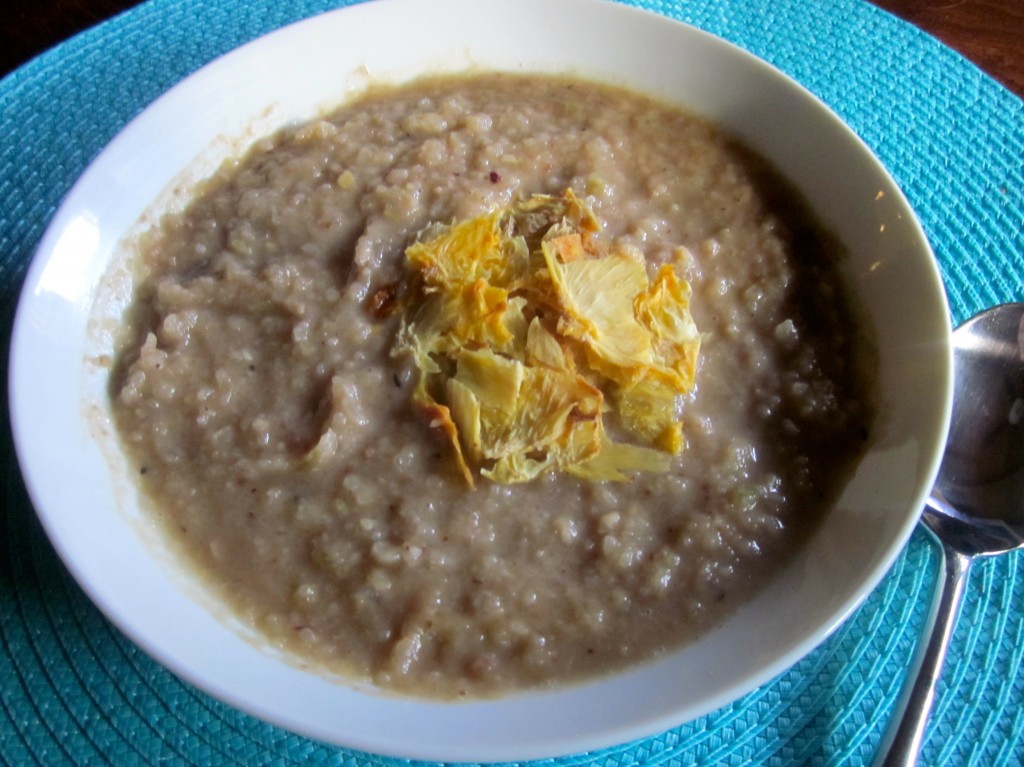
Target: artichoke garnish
column 527, row 334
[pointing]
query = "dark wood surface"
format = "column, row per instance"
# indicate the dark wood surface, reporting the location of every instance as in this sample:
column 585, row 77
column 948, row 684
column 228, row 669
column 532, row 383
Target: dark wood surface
column 988, row 32
column 31, row 27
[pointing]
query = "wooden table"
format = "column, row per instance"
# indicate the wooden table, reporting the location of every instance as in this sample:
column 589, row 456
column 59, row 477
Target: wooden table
column 989, row 32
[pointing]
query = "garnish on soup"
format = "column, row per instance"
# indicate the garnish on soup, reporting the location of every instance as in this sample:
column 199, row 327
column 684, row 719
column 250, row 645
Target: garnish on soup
column 526, row 332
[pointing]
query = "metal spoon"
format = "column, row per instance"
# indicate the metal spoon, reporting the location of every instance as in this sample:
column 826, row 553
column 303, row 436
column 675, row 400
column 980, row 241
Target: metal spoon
column 977, row 506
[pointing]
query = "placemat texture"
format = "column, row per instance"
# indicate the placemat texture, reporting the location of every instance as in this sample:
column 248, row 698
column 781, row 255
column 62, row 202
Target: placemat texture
column 74, row 691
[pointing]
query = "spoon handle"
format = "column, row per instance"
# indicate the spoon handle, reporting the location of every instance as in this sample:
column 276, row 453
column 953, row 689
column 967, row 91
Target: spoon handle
column 903, row 740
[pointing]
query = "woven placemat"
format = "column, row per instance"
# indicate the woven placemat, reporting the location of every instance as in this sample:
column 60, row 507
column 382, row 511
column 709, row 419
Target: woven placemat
column 74, row 691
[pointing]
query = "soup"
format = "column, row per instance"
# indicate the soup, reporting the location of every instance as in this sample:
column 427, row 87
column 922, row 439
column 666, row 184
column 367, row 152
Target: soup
column 271, row 422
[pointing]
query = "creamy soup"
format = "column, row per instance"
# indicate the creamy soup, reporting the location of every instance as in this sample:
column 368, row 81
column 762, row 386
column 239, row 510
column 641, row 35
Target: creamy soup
column 258, row 335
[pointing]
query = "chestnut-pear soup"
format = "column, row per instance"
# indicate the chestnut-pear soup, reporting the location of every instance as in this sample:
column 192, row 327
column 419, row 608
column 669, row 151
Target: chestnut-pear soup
column 490, row 382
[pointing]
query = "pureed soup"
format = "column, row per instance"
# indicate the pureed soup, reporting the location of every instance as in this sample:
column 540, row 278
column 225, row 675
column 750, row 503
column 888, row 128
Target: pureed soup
column 318, row 468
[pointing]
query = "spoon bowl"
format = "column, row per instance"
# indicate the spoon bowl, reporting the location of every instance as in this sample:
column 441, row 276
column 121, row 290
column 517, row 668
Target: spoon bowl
column 982, row 474
column 977, row 505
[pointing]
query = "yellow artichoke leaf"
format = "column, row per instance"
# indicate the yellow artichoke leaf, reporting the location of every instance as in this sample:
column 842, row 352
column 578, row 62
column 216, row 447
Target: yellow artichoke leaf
column 671, row 438
column 514, row 319
column 494, row 380
column 408, row 341
column 515, row 468
column 550, row 407
column 647, row 410
column 579, row 213
column 664, row 311
column 545, row 216
column 543, row 349
column 584, row 440
column 569, row 247
column 572, row 436
column 439, row 417
column 533, row 217
column 517, row 258
column 462, row 253
column 616, row 458
column 478, row 315
column 428, row 328
column 597, row 297
column 465, row 412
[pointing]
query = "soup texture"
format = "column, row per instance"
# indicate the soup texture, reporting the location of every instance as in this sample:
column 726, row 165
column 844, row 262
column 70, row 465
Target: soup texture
column 272, row 428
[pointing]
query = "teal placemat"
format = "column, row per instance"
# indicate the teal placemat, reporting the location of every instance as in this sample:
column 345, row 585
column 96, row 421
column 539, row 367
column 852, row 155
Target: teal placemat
column 74, row 691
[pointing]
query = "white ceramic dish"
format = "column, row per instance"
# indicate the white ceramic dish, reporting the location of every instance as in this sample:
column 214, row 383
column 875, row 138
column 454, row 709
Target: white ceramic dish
column 76, row 476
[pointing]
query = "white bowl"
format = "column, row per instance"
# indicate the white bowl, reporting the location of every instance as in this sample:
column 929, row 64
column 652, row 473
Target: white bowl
column 76, row 474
